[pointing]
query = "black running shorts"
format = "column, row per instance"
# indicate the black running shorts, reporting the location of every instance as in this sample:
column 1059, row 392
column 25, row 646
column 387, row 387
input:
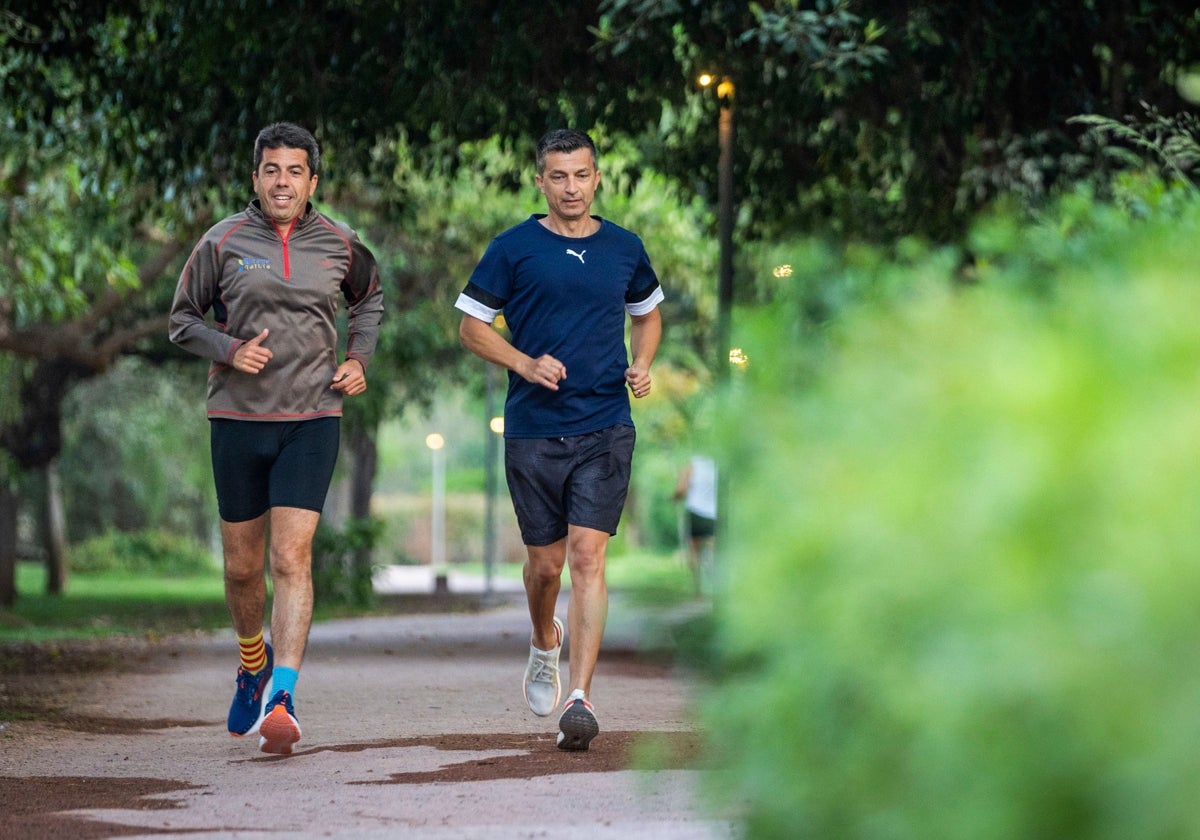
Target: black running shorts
column 581, row 480
column 259, row 465
column 701, row 526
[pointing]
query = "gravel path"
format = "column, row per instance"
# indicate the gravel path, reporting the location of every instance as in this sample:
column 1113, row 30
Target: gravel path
column 414, row 726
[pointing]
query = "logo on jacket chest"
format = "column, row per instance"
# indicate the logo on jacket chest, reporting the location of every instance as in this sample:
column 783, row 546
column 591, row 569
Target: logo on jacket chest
column 253, row 264
column 577, row 254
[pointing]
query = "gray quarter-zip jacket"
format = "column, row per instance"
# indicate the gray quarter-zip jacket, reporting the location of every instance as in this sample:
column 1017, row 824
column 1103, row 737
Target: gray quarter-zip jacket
column 253, row 276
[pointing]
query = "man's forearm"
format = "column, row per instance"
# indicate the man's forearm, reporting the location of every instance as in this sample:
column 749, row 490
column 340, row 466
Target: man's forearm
column 645, row 333
column 481, row 339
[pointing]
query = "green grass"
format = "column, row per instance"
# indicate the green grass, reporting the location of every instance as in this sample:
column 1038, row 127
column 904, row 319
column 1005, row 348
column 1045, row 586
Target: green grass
column 113, row 604
column 658, row 577
column 643, row 575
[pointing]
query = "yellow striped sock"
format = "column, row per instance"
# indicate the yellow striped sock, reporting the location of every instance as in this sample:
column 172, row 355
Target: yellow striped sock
column 253, row 652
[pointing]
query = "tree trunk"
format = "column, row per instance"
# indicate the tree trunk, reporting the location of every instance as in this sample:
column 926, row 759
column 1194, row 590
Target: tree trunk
column 8, row 545
column 54, row 531
column 35, row 438
column 364, row 460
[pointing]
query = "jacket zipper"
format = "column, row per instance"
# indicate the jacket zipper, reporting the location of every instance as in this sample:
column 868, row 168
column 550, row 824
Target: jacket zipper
column 284, row 237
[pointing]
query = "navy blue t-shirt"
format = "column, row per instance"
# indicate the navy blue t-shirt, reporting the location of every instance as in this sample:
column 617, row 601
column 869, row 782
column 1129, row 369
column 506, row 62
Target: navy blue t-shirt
column 567, row 297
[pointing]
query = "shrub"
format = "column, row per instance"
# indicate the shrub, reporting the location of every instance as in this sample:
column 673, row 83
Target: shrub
column 135, row 453
column 962, row 563
column 142, row 552
column 342, row 568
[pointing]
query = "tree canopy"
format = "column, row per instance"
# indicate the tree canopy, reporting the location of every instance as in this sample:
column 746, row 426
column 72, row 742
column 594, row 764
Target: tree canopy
column 878, row 119
column 126, row 127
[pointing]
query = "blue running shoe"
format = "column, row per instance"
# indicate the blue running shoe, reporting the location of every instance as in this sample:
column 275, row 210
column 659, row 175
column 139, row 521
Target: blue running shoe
column 249, row 700
column 279, row 729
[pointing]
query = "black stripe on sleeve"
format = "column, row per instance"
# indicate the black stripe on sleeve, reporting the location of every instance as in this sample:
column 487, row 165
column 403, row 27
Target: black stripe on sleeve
column 635, row 297
column 485, row 297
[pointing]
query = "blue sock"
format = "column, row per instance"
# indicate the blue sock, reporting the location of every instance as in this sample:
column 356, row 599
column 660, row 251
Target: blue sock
column 284, row 679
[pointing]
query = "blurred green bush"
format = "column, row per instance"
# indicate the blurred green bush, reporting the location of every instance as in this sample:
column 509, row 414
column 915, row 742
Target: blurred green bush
column 150, row 552
column 962, row 593
column 342, row 562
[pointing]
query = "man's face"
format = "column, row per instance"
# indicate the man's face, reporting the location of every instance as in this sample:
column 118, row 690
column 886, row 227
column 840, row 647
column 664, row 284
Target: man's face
column 284, row 184
column 569, row 182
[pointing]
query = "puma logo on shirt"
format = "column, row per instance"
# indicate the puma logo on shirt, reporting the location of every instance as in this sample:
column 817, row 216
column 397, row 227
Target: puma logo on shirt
column 579, row 254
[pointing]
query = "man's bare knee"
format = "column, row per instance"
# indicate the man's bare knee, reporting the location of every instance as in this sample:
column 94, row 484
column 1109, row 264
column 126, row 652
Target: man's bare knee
column 543, row 572
column 587, row 566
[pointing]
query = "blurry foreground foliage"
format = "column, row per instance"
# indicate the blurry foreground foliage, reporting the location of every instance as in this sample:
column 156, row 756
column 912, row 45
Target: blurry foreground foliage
column 962, row 576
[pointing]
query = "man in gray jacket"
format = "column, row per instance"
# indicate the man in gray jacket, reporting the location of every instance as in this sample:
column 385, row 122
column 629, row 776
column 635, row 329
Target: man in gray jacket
column 271, row 276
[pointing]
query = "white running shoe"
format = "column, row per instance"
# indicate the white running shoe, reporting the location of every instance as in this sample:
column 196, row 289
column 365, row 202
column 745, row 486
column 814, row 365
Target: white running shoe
column 542, row 687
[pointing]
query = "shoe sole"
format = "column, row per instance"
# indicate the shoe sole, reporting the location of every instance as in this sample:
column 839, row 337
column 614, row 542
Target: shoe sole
column 578, row 728
column 558, row 626
column 278, row 732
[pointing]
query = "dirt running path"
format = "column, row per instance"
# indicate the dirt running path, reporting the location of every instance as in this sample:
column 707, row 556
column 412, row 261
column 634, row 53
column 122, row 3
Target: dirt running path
column 414, row 726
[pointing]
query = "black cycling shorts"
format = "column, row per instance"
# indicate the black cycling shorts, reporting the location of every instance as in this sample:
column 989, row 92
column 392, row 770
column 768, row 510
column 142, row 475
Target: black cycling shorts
column 259, row 465
column 580, row 480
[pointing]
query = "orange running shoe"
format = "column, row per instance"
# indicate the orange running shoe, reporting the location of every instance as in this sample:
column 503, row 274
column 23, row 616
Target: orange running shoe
column 279, row 728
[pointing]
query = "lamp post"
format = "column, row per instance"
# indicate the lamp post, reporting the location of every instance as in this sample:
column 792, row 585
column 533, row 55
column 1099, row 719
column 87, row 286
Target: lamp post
column 437, row 444
column 725, row 91
column 491, row 454
column 496, row 428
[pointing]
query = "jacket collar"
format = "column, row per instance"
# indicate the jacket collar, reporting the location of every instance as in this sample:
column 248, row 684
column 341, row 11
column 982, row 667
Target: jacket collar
column 255, row 208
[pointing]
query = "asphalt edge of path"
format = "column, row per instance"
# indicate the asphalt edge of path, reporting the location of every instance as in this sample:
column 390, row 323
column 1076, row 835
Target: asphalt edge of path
column 635, row 625
column 675, row 633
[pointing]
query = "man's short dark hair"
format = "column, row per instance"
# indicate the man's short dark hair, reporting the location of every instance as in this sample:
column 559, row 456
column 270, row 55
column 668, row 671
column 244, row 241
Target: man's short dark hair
column 286, row 135
column 563, row 140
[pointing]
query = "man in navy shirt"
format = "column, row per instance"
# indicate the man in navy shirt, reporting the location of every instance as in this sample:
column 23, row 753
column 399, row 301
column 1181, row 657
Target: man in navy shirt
column 565, row 281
